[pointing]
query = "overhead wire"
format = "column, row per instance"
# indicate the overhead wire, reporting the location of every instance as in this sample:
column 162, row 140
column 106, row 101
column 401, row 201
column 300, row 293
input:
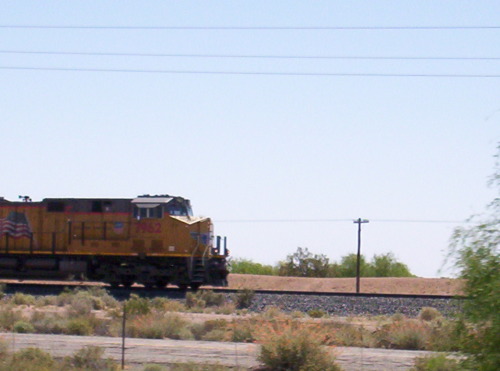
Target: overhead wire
column 243, row 56
column 255, row 73
column 326, row 220
column 253, row 28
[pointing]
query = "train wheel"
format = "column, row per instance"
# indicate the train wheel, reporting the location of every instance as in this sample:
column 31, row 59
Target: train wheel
column 161, row 283
column 127, row 284
column 195, row 286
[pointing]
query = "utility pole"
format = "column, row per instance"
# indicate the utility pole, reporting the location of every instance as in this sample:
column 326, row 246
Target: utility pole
column 359, row 221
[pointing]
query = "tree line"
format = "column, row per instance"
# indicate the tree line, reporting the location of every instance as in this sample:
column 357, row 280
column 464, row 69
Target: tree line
column 303, row 263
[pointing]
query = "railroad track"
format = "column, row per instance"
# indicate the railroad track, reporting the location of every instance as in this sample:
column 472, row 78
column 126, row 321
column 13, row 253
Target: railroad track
column 56, row 287
column 341, row 304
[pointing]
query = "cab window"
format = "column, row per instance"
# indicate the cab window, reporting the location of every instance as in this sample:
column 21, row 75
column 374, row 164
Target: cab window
column 148, row 212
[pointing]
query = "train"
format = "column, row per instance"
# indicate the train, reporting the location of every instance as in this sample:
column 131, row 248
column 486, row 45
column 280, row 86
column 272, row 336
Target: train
column 153, row 240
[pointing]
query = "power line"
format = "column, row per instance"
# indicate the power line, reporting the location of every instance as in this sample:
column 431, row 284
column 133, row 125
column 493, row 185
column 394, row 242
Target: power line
column 353, row 57
column 250, row 73
column 425, row 221
column 254, row 28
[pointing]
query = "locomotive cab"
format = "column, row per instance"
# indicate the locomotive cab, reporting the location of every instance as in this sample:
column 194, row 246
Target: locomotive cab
column 157, row 207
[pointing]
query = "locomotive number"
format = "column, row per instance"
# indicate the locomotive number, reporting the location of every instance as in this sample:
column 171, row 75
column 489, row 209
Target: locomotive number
column 148, row 228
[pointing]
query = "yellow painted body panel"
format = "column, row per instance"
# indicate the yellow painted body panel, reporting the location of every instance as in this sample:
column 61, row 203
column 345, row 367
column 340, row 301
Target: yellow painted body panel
column 106, row 233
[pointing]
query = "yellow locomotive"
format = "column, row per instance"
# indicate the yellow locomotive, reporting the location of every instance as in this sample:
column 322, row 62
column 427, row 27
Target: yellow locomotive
column 151, row 240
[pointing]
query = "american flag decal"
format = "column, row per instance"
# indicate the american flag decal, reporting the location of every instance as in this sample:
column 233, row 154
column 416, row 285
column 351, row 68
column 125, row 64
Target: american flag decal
column 15, row 225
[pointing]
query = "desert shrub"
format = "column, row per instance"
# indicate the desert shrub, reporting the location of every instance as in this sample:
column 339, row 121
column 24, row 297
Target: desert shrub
column 23, row 327
column 101, row 298
column 197, row 367
column 79, row 306
column 48, row 323
column 167, row 305
column 22, row 299
column 214, row 335
column 4, row 349
column 292, row 345
column 194, row 301
column 272, row 312
column 154, row 368
column 297, row 314
column 396, row 317
column 204, row 298
column 407, row 334
column 137, row 305
column 31, row 359
column 316, row 313
column 226, row 308
column 242, row 331
column 429, row 314
column 353, row 336
column 95, row 297
column 90, row 358
column 244, row 298
column 78, row 326
column 3, row 286
column 156, row 326
column 201, row 330
column 46, row 300
column 436, row 363
column 9, row 316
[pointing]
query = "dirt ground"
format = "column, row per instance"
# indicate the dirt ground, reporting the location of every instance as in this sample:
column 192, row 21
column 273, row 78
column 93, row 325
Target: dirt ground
column 423, row 286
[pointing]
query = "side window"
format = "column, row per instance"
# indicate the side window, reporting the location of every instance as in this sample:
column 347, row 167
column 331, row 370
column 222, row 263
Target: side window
column 148, row 212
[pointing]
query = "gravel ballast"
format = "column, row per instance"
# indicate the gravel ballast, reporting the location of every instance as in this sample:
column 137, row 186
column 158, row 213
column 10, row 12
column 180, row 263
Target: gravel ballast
column 352, row 305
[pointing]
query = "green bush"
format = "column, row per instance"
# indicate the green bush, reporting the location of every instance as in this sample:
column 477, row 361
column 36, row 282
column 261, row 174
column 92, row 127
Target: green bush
column 203, row 298
column 48, row 323
column 9, row 316
column 316, row 313
column 407, row 334
column 23, row 299
column 475, row 250
column 79, row 326
column 137, row 305
column 242, row 331
column 23, row 327
column 90, row 358
column 246, row 266
column 244, row 298
column 293, row 347
column 31, row 359
column 429, row 314
column 436, row 363
column 156, row 326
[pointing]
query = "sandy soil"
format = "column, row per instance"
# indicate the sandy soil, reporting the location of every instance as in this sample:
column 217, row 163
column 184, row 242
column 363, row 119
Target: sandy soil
column 423, row 286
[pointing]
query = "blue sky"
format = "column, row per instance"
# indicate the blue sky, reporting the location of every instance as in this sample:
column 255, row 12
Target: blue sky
column 275, row 160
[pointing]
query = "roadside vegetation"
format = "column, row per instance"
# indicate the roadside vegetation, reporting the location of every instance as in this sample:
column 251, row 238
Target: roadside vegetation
column 94, row 312
column 304, row 263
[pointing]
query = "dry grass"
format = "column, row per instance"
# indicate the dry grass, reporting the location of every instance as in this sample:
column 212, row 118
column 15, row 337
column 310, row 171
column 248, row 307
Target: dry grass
column 413, row 285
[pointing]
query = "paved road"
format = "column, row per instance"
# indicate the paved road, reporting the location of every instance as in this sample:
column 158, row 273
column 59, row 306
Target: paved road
column 142, row 351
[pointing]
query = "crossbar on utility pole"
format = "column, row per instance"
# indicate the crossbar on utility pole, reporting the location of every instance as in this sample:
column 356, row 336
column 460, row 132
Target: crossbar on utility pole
column 359, row 221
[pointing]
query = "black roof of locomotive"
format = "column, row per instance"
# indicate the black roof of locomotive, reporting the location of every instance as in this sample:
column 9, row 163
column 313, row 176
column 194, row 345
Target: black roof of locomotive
column 87, row 204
